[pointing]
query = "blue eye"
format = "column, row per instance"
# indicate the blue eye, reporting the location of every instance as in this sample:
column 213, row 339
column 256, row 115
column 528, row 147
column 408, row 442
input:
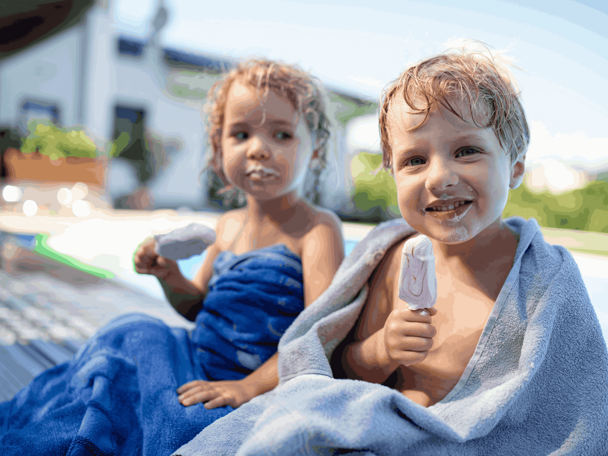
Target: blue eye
column 466, row 151
column 282, row 135
column 241, row 135
column 416, row 161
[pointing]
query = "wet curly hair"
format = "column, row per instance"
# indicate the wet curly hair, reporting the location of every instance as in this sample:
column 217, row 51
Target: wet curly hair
column 304, row 92
column 462, row 77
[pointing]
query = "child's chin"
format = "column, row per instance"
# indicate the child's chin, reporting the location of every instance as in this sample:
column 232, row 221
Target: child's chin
column 449, row 234
column 265, row 194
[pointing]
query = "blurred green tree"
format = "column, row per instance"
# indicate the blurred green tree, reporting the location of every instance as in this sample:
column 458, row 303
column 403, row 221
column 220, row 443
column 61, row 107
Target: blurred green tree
column 584, row 208
column 375, row 191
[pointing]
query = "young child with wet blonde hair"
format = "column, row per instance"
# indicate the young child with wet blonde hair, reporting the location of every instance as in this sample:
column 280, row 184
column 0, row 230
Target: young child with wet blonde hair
column 140, row 387
column 454, row 134
column 267, row 124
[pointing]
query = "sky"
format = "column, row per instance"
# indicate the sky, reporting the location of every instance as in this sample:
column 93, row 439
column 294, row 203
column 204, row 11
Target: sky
column 559, row 46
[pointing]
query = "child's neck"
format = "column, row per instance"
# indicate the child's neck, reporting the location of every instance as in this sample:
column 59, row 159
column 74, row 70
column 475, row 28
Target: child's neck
column 277, row 209
column 480, row 260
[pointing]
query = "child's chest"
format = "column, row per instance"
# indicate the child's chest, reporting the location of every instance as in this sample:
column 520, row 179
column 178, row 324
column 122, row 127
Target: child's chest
column 249, row 240
column 460, row 320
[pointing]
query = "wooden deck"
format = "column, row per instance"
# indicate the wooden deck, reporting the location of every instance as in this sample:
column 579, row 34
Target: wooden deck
column 48, row 309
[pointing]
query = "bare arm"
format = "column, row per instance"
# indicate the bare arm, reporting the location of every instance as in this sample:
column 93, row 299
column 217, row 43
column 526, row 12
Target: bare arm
column 322, row 254
column 387, row 334
column 185, row 296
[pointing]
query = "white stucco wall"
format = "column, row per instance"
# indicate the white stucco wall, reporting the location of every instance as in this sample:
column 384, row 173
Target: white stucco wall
column 46, row 73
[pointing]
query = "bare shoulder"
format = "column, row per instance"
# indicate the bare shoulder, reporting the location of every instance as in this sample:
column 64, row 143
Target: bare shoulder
column 383, row 284
column 322, row 248
column 228, row 227
column 323, row 234
column 320, row 219
column 328, row 218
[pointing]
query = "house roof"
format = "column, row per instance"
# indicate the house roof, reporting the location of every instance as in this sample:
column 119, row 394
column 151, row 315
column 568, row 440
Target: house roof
column 129, row 45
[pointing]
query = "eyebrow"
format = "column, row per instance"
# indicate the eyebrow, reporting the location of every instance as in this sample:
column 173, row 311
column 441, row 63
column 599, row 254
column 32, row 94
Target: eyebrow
column 420, row 147
column 268, row 122
column 280, row 122
column 467, row 137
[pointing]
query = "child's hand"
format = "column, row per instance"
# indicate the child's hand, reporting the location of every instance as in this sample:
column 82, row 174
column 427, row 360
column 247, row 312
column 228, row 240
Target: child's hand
column 408, row 336
column 147, row 261
column 214, row 394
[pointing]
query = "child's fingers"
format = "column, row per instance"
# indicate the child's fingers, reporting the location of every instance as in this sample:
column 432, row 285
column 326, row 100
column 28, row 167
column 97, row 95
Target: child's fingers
column 218, row 402
column 143, row 257
column 144, row 265
column 141, row 262
column 204, row 392
column 415, row 344
column 196, row 396
column 142, row 270
column 193, row 390
column 162, row 262
column 409, row 357
column 409, row 329
column 408, row 323
column 416, row 316
column 186, row 386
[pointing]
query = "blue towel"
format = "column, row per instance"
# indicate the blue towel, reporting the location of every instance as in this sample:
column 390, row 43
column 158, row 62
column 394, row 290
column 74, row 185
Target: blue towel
column 537, row 383
column 253, row 299
column 117, row 396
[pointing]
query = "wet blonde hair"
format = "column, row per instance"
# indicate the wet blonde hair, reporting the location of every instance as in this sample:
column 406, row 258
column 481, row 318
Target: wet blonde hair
column 304, row 92
column 470, row 78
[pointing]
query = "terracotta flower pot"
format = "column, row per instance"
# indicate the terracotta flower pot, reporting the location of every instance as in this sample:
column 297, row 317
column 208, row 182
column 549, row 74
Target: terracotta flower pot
column 38, row 167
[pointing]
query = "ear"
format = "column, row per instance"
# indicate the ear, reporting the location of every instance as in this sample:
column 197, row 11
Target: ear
column 518, row 170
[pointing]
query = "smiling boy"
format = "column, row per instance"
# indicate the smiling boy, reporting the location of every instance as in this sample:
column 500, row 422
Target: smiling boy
column 455, row 135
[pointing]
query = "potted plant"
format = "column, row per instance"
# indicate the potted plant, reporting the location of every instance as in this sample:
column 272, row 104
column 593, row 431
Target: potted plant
column 50, row 153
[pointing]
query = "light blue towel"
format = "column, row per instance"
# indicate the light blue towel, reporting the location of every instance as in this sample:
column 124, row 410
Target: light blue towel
column 537, row 383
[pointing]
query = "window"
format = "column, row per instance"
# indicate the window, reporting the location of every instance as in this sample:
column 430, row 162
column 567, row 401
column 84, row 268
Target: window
column 130, row 141
column 38, row 111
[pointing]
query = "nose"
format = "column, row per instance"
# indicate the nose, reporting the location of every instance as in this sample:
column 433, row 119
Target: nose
column 441, row 175
column 258, row 148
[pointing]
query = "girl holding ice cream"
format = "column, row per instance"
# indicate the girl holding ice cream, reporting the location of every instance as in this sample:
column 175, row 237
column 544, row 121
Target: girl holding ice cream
column 267, row 125
column 140, row 387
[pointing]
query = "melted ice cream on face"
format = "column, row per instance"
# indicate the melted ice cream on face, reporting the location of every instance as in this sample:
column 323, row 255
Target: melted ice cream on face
column 417, row 281
column 185, row 242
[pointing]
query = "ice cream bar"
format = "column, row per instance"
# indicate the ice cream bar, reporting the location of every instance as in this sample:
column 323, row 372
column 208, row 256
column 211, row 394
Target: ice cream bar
column 184, row 242
column 417, row 281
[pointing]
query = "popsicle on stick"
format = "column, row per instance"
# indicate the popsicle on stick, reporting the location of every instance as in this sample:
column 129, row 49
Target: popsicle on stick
column 417, row 281
column 184, row 242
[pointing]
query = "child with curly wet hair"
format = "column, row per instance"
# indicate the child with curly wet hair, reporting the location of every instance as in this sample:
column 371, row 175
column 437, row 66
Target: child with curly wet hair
column 140, row 387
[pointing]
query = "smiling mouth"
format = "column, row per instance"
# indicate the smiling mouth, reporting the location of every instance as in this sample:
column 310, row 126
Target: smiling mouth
column 449, row 207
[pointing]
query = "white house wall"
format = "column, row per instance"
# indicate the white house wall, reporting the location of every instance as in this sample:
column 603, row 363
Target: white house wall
column 180, row 184
column 139, row 82
column 47, row 73
column 100, row 74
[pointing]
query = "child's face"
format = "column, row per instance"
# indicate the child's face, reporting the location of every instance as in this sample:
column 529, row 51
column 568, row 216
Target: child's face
column 265, row 143
column 452, row 177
